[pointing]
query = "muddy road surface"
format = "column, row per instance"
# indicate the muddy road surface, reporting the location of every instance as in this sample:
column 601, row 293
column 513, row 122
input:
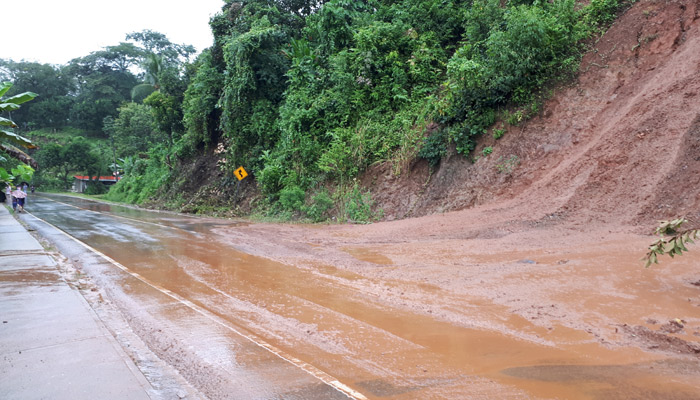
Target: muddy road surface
column 480, row 304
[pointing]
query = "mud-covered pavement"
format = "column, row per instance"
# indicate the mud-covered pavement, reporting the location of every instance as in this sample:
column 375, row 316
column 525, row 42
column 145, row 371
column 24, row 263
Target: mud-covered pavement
column 536, row 291
column 480, row 304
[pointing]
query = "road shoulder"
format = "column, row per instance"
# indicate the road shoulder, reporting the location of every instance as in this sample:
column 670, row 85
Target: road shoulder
column 52, row 343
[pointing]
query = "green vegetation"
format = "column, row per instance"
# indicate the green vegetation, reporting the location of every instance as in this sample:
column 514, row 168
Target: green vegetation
column 498, row 133
column 85, row 115
column 673, row 240
column 60, row 161
column 506, row 166
column 307, row 94
column 17, row 161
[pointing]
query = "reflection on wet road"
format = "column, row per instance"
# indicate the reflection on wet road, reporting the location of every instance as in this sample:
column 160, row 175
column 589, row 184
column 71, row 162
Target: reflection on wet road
column 319, row 322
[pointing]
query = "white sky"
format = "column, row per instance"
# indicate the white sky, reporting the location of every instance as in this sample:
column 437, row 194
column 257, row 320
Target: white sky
column 56, row 31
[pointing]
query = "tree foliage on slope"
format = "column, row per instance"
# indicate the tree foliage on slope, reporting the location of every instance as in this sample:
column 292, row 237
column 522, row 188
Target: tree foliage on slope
column 307, row 93
column 304, row 93
column 507, row 55
column 151, row 127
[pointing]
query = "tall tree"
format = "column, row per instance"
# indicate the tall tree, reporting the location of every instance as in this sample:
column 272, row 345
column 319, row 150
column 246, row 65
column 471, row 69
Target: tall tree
column 102, row 85
column 133, row 130
column 165, row 79
column 54, row 86
column 76, row 157
column 121, row 57
column 157, row 43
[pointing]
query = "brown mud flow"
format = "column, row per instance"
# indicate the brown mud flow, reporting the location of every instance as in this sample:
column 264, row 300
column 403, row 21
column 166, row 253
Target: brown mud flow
column 407, row 320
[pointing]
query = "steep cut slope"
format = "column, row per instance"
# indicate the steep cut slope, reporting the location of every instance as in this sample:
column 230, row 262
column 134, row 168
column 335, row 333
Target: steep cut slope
column 621, row 145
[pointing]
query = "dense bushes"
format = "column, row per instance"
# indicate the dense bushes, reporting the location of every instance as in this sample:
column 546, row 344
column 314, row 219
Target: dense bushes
column 508, row 55
column 308, row 94
column 142, row 178
column 133, row 130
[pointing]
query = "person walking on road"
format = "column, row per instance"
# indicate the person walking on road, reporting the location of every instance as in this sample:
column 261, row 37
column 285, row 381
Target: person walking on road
column 18, row 197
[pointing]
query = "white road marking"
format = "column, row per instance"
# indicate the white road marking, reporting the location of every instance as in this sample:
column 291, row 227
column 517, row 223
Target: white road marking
column 306, row 367
column 120, row 217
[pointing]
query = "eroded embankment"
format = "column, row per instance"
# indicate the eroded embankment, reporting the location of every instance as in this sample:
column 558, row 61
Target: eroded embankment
column 613, row 146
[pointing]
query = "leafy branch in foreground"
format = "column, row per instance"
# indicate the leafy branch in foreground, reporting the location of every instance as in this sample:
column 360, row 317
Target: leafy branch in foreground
column 672, row 242
column 8, row 104
column 9, row 139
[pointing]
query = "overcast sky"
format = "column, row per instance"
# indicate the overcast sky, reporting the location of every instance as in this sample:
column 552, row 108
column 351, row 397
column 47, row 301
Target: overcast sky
column 56, row 31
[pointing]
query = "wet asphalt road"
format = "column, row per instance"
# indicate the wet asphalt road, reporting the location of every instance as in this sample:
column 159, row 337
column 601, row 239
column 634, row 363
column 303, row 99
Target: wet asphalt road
column 237, row 326
column 153, row 267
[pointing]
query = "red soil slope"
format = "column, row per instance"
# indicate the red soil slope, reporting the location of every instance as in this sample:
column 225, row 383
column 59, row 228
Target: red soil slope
column 620, row 145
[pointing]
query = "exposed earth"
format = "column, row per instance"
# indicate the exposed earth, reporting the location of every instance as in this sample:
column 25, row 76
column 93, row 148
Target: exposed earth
column 606, row 159
column 619, row 145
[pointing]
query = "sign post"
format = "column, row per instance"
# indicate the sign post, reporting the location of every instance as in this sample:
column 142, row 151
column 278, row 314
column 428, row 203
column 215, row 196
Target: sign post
column 240, row 173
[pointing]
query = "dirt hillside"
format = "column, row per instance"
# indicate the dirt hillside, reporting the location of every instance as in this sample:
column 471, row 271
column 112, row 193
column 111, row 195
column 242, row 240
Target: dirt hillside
column 526, row 281
column 619, row 145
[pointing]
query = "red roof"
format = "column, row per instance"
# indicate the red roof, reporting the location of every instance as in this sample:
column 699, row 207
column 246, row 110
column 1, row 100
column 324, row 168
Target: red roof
column 102, row 178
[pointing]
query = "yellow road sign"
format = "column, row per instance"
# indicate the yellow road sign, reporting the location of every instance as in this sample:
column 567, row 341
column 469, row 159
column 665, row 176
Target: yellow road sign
column 240, row 173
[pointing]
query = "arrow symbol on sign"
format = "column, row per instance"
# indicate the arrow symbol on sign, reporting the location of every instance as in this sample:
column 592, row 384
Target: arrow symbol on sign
column 240, row 173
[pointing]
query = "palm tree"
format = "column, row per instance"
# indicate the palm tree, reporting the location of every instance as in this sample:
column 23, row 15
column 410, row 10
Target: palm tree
column 152, row 65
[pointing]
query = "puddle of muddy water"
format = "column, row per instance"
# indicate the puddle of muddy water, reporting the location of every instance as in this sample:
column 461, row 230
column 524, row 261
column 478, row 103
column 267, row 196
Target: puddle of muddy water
column 584, row 371
column 644, row 381
column 364, row 254
column 38, row 278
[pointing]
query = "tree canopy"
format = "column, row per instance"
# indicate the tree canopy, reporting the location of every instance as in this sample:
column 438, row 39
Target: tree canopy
column 307, row 94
